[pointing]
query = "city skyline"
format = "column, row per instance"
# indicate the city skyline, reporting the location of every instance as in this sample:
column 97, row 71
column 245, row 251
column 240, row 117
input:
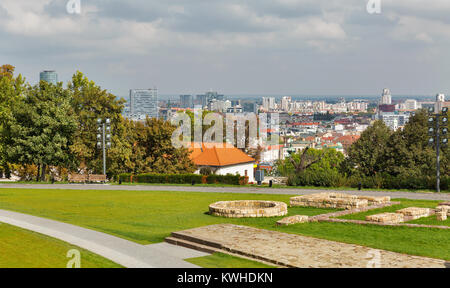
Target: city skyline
column 257, row 47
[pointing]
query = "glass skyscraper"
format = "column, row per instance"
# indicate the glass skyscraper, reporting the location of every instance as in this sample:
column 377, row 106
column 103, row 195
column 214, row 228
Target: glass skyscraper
column 143, row 103
column 49, row 77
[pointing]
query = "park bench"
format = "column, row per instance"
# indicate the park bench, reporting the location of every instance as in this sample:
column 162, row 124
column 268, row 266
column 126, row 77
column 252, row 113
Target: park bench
column 77, row 178
column 97, row 178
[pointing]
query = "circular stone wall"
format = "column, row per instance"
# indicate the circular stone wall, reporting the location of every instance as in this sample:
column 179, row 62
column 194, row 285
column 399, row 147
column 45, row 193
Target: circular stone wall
column 248, row 208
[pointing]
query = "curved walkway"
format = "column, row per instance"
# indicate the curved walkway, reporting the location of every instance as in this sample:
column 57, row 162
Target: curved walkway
column 247, row 190
column 121, row 251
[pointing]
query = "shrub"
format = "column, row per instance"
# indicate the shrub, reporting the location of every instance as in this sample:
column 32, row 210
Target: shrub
column 206, row 171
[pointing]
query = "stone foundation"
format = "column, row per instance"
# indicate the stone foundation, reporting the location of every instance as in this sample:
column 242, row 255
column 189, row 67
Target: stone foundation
column 442, row 212
column 248, row 208
column 414, row 213
column 387, row 218
column 293, row 220
column 337, row 200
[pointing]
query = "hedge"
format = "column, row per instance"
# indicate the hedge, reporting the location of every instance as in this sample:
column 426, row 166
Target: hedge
column 183, row 179
column 379, row 181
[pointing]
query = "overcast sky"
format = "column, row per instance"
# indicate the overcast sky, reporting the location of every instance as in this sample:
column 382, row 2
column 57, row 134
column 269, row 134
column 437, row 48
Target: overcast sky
column 268, row 47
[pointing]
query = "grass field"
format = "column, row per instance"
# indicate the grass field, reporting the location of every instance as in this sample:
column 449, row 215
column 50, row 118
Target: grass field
column 148, row 217
column 21, row 248
column 220, row 260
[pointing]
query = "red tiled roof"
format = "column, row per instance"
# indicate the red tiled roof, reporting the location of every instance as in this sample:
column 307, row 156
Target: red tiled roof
column 218, row 155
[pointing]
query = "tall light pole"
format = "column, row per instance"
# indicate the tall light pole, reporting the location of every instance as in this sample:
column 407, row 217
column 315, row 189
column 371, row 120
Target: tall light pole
column 104, row 138
column 438, row 135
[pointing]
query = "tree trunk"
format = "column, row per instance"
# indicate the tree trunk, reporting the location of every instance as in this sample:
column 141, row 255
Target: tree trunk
column 44, row 170
column 38, row 172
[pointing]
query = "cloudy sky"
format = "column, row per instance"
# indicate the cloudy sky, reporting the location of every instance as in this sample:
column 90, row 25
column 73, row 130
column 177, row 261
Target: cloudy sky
column 310, row 47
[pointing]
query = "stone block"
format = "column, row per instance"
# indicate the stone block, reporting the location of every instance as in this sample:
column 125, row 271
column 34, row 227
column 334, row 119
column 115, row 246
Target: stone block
column 387, row 218
column 293, row 220
column 415, row 212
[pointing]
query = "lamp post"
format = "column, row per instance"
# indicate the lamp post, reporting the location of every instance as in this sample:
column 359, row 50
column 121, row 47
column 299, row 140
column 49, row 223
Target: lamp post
column 438, row 135
column 104, row 138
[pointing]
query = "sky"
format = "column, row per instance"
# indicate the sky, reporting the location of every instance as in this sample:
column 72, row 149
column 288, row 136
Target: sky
column 260, row 47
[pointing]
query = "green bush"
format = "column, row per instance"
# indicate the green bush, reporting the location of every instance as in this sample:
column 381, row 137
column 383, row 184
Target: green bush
column 125, row 177
column 168, row 178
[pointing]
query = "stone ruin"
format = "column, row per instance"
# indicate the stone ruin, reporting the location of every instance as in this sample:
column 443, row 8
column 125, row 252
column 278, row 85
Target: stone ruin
column 337, row 201
column 293, row 220
column 248, row 209
column 443, row 211
column 391, row 218
column 402, row 215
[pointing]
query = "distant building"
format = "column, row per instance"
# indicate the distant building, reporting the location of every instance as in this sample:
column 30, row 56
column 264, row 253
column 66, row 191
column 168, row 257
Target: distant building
column 440, row 101
column 186, row 101
column 386, row 97
column 394, row 120
column 219, row 105
column 268, row 103
column 411, row 104
column 49, row 76
column 143, row 103
column 285, row 103
column 205, row 99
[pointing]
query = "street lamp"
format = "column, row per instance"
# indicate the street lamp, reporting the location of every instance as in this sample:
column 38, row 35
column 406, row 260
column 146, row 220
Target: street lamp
column 438, row 137
column 104, row 138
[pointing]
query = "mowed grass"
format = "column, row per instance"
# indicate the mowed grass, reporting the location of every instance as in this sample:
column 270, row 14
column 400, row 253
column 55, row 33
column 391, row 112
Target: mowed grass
column 220, row 260
column 148, row 217
column 21, row 248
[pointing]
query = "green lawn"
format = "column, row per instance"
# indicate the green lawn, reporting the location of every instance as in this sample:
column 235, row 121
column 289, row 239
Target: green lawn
column 148, row 217
column 21, row 248
column 220, row 260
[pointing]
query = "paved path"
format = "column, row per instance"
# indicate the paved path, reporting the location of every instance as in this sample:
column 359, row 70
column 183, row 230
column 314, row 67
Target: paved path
column 300, row 251
column 249, row 190
column 118, row 250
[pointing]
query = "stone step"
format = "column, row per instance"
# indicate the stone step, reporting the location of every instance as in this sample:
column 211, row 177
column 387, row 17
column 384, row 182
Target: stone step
column 207, row 249
column 191, row 245
column 182, row 236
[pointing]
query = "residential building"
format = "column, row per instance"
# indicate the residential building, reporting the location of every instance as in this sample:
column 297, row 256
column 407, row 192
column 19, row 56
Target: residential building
column 269, row 103
column 222, row 159
column 386, row 97
column 143, row 103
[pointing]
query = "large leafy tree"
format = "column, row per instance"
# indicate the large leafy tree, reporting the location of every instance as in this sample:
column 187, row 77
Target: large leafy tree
column 367, row 155
column 11, row 90
column 154, row 151
column 408, row 152
column 90, row 102
column 41, row 128
column 310, row 159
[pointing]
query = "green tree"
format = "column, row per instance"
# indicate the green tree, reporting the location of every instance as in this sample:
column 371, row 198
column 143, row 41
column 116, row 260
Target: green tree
column 90, row 102
column 156, row 152
column 312, row 167
column 367, row 155
column 11, row 90
column 408, row 152
column 41, row 128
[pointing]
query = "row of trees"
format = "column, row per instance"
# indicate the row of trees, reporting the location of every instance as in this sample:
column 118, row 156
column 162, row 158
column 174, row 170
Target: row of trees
column 50, row 129
column 381, row 158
